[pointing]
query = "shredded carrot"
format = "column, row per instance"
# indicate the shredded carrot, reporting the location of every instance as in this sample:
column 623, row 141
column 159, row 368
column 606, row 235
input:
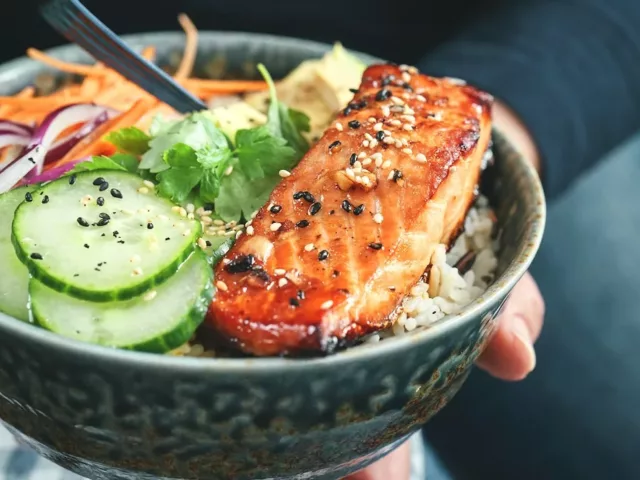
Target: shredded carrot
column 224, row 86
column 190, row 49
column 6, row 110
column 66, row 67
column 149, row 53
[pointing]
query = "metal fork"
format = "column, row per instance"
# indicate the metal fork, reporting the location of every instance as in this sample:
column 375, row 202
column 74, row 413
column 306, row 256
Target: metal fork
column 74, row 21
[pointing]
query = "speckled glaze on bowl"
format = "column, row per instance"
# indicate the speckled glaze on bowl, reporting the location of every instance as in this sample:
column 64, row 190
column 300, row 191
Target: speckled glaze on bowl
column 109, row 414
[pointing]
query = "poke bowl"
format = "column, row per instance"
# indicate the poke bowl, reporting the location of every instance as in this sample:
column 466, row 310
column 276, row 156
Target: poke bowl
column 202, row 409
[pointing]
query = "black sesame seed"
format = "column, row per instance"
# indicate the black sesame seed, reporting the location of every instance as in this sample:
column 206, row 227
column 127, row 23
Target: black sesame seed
column 302, row 224
column 103, row 221
column 397, row 175
column 208, row 207
column 275, row 209
column 100, row 201
column 354, row 124
column 82, row 222
column 104, row 186
column 323, row 255
column 28, row 197
column 99, row 181
column 346, row 111
column 298, row 195
column 115, row 193
column 387, row 79
column 97, row 269
column 149, row 226
column 375, row 246
column 36, row 256
column 121, row 242
column 352, row 159
column 359, row 105
column 346, row 206
column 300, row 294
column 380, row 135
column 383, row 95
column 407, row 87
column 241, row 264
column 101, row 263
column 315, row 208
column 104, row 215
column 169, row 238
column 72, row 179
column 45, row 199
column 76, row 274
column 103, row 235
column 116, row 233
column 208, row 243
column 308, row 197
column 359, row 209
column 336, row 273
column 86, row 245
column 335, row 144
column 294, row 302
column 332, row 212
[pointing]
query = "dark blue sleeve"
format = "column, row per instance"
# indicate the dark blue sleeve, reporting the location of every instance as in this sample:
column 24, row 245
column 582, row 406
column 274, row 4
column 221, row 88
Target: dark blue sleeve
column 569, row 68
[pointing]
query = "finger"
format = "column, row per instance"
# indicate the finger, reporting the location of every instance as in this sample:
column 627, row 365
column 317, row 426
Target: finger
column 510, row 354
column 395, row 466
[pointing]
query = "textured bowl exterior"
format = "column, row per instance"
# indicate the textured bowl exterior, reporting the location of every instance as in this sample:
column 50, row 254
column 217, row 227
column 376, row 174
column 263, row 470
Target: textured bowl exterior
column 108, row 414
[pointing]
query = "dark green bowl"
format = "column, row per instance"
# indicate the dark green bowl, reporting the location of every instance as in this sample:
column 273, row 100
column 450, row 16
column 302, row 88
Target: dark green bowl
column 113, row 414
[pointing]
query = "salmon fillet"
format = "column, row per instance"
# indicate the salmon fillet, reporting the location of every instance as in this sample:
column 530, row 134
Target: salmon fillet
column 344, row 238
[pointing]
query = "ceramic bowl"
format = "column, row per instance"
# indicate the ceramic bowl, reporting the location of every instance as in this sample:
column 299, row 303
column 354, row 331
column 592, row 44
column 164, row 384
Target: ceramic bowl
column 109, row 414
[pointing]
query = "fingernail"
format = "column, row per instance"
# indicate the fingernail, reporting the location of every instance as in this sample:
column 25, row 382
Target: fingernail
column 519, row 329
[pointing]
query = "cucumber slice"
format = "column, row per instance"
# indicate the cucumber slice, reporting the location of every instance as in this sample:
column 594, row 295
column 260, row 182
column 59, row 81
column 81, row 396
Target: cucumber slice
column 218, row 248
column 14, row 276
column 139, row 242
column 158, row 321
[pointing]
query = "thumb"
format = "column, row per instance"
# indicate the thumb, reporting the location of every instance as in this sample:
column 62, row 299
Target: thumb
column 395, row 466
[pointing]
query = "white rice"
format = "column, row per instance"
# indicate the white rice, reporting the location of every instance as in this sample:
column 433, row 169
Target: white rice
column 452, row 291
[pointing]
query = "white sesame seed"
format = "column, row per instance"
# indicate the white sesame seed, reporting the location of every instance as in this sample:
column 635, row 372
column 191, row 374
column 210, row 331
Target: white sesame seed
column 143, row 190
column 217, row 221
column 163, row 217
column 406, row 77
column 377, row 127
column 202, row 243
column 249, row 222
column 408, row 127
column 404, row 67
column 395, row 122
column 385, row 111
column 368, row 136
column 200, row 211
column 284, row 173
column 378, row 162
column 230, row 233
column 222, row 286
column 391, row 175
column 408, row 151
column 389, row 140
column 373, row 143
column 397, row 108
column 397, row 101
column 339, row 126
column 378, row 218
column 186, row 233
column 362, row 155
column 366, row 182
column 398, row 144
column 372, row 120
column 175, row 209
column 421, row 158
column 250, row 230
column 279, row 271
column 327, row 305
column 405, row 142
column 421, row 98
column 282, row 282
column 413, row 70
column 409, row 111
column 357, row 164
column 386, row 164
column 228, row 170
column 191, row 216
column 149, row 184
column 309, row 247
column 409, row 118
column 226, row 261
column 365, row 143
column 275, row 226
column 366, row 161
column 358, row 179
column 134, row 259
column 349, row 173
column 238, row 234
column 206, row 220
column 150, row 295
column 376, row 155
column 183, row 212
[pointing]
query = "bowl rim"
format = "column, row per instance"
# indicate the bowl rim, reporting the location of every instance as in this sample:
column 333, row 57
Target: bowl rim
column 258, row 365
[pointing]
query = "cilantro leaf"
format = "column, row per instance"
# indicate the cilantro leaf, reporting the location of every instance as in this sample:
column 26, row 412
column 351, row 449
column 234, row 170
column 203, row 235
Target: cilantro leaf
column 178, row 182
column 180, row 155
column 261, row 153
column 209, row 186
column 119, row 161
column 129, row 140
column 284, row 122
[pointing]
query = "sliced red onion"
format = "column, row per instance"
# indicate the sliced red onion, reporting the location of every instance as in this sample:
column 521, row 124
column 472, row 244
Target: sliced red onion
column 8, row 138
column 10, row 155
column 61, row 148
column 20, row 128
column 54, row 173
column 34, row 154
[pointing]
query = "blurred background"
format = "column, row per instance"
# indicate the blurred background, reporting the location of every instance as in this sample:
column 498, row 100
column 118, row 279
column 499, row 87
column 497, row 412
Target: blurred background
column 576, row 416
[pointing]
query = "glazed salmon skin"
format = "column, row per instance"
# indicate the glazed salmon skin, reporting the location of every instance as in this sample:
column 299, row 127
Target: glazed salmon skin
column 345, row 237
